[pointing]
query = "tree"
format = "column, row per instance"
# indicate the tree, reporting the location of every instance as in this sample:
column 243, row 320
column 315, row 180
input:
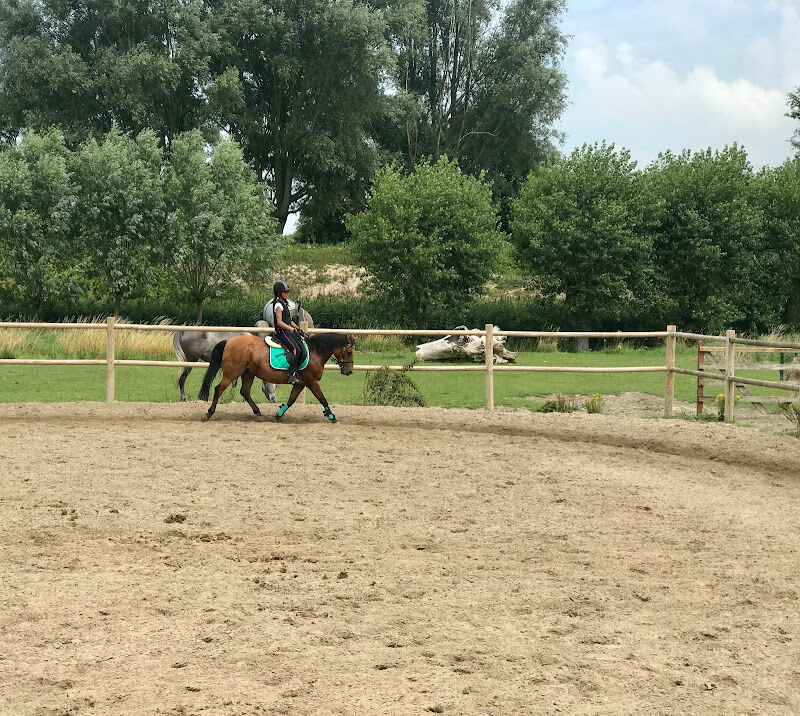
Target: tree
column 708, row 240
column 581, row 227
column 120, row 211
column 36, row 205
column 89, row 66
column 487, row 88
column 219, row 226
column 296, row 85
column 779, row 193
column 428, row 238
column 794, row 113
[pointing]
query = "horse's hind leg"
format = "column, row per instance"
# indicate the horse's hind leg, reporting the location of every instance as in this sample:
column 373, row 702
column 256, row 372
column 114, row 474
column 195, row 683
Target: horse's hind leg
column 218, row 391
column 247, row 383
column 182, row 382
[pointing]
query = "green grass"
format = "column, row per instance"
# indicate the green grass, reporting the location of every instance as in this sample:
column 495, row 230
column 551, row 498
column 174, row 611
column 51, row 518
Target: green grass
column 318, row 256
column 69, row 383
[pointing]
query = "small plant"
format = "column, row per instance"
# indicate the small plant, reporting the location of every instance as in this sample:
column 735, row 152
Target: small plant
column 547, row 345
column 388, row 387
column 792, row 413
column 721, row 405
column 561, row 404
column 595, row 404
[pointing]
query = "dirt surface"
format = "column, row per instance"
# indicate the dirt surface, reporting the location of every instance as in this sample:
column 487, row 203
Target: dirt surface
column 401, row 562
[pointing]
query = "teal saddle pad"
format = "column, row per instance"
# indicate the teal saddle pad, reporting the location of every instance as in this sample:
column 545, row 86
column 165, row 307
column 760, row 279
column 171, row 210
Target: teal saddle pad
column 277, row 358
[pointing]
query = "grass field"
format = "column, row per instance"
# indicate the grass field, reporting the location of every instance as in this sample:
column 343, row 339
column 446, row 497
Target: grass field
column 69, row 383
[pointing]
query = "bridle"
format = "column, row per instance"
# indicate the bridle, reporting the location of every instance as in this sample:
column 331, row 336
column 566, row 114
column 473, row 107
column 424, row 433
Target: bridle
column 342, row 363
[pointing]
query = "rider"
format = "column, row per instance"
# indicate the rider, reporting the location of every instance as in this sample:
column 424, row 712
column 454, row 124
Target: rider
column 287, row 331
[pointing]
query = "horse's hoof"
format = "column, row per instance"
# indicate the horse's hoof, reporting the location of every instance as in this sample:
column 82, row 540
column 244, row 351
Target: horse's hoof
column 332, row 418
column 206, row 417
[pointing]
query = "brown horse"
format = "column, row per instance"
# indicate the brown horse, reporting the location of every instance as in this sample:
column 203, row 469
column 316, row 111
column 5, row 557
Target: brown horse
column 248, row 356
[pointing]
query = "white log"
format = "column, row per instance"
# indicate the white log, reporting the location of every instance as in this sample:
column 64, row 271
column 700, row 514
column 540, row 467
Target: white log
column 459, row 345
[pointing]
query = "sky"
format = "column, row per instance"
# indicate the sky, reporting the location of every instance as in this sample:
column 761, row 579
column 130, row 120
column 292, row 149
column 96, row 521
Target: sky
column 652, row 75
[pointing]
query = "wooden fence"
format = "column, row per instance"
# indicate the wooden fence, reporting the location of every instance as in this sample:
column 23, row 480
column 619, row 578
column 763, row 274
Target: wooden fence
column 671, row 335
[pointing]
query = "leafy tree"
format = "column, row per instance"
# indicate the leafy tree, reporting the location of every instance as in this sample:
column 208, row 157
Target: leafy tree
column 120, row 211
column 87, row 66
column 427, row 238
column 708, row 239
column 486, row 87
column 779, row 193
column 219, row 227
column 581, row 227
column 794, row 113
column 36, row 203
column 296, row 85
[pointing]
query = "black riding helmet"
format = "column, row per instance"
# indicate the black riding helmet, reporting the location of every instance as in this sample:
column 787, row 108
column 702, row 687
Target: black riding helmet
column 280, row 287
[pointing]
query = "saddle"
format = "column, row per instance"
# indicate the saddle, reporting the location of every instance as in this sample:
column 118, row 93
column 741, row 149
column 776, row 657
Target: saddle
column 278, row 355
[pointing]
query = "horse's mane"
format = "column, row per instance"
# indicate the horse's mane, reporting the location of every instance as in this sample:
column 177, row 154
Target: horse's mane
column 322, row 342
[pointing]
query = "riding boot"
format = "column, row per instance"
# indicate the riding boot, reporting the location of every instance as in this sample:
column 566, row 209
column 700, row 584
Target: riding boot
column 294, row 379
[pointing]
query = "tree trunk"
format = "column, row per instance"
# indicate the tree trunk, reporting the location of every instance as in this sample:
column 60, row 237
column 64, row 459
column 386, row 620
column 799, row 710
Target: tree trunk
column 199, row 320
column 117, row 304
column 580, row 344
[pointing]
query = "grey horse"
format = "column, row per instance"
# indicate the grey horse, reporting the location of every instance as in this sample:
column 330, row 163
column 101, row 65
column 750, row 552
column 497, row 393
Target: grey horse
column 192, row 346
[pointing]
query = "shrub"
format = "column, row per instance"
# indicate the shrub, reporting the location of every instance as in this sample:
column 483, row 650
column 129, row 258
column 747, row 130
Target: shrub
column 561, row 404
column 595, row 404
column 427, row 238
column 388, row 387
column 792, row 413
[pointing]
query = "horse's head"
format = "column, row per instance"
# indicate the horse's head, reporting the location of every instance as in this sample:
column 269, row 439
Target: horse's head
column 343, row 355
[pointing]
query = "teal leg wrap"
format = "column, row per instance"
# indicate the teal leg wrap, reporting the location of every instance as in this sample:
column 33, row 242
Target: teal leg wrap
column 282, row 410
column 329, row 414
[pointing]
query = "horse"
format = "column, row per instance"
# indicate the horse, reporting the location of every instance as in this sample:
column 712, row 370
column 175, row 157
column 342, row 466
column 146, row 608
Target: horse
column 192, row 346
column 248, row 356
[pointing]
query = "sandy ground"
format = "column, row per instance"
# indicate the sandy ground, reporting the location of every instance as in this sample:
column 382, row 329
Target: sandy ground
column 401, row 562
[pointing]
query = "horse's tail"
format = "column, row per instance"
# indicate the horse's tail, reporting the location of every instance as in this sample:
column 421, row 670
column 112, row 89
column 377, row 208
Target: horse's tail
column 180, row 354
column 212, row 370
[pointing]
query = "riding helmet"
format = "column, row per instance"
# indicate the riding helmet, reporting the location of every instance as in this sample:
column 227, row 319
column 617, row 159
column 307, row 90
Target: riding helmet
column 280, row 287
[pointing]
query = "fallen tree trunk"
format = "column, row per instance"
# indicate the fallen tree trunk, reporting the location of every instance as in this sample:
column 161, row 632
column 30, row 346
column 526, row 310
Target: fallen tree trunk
column 472, row 347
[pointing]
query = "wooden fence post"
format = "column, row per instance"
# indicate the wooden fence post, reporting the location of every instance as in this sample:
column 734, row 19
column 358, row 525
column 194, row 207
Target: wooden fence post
column 669, row 381
column 730, row 386
column 110, row 375
column 701, row 359
column 489, row 366
column 301, row 399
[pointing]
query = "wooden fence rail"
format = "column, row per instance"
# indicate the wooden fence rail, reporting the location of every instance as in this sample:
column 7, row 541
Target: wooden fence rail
column 669, row 368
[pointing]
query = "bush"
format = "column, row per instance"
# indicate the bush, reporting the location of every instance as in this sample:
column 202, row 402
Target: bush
column 561, row 404
column 428, row 239
column 595, row 404
column 388, row 387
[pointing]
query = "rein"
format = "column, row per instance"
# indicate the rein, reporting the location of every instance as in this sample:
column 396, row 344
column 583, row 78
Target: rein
column 343, row 363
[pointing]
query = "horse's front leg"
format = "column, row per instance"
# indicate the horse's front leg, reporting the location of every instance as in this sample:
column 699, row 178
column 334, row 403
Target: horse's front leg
column 296, row 390
column 326, row 409
column 182, row 382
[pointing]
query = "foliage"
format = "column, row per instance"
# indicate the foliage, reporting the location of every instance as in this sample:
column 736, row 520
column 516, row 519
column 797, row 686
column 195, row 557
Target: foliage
column 706, row 240
column 296, row 84
column 389, row 387
column 427, row 238
column 88, row 67
column 793, row 101
column 580, row 225
column 480, row 83
column 219, row 226
column 561, row 404
column 792, row 413
column 779, row 198
column 36, row 204
column 595, row 404
column 120, row 213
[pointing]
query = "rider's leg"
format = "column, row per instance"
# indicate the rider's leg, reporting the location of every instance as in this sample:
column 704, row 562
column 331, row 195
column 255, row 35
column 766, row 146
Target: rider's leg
column 292, row 344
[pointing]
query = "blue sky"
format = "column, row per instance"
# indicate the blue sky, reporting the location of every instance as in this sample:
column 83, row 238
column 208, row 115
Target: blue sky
column 672, row 74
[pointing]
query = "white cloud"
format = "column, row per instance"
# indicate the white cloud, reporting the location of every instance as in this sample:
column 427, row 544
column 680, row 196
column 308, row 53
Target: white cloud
column 650, row 107
column 674, row 74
